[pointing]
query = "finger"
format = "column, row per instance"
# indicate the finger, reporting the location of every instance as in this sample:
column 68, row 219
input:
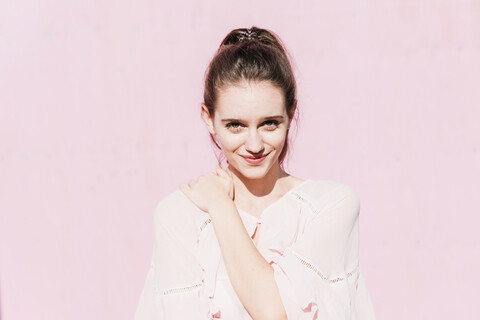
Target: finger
column 229, row 173
column 221, row 172
column 230, row 176
column 185, row 188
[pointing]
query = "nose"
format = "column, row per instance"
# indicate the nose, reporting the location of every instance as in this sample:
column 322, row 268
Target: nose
column 254, row 142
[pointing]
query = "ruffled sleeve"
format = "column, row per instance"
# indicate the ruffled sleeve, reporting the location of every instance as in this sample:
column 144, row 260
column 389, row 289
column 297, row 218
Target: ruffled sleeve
column 319, row 276
column 174, row 288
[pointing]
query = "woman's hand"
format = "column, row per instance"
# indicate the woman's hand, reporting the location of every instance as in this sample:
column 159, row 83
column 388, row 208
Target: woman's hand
column 210, row 189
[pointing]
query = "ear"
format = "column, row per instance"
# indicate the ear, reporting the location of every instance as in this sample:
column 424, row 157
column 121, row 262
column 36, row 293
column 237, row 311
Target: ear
column 207, row 119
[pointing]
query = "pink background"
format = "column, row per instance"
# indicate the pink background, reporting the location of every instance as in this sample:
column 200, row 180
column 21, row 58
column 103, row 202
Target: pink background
column 100, row 119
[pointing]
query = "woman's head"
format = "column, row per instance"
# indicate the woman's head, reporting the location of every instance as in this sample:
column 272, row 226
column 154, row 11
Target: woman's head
column 249, row 57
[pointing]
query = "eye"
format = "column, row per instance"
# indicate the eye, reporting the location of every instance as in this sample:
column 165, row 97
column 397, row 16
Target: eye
column 234, row 126
column 271, row 124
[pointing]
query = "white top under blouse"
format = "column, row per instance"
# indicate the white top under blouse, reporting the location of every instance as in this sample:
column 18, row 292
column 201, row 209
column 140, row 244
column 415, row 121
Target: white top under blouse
column 309, row 236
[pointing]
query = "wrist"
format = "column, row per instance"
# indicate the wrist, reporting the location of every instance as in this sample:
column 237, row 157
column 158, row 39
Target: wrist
column 221, row 206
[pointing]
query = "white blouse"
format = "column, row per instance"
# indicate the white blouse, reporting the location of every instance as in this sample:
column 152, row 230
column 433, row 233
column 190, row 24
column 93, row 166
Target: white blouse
column 309, row 237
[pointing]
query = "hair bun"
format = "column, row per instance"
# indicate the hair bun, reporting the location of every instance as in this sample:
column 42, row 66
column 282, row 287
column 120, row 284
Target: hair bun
column 243, row 34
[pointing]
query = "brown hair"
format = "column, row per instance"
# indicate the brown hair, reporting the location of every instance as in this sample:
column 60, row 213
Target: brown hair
column 254, row 55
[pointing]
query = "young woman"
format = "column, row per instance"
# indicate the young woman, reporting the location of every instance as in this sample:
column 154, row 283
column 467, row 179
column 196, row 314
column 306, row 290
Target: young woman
column 251, row 241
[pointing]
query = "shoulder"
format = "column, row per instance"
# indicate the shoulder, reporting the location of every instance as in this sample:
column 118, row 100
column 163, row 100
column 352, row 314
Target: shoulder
column 324, row 195
column 175, row 209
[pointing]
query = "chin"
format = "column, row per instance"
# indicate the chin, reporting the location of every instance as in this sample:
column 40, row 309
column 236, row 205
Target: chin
column 252, row 172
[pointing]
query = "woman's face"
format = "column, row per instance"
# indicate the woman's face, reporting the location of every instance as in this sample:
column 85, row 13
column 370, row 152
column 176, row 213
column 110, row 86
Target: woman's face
column 250, row 124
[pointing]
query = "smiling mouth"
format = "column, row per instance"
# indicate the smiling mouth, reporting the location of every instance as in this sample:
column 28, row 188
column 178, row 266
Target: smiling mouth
column 255, row 159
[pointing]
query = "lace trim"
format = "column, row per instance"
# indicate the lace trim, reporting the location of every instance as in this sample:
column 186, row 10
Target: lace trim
column 312, row 207
column 314, row 269
column 183, row 289
column 173, row 290
column 205, row 224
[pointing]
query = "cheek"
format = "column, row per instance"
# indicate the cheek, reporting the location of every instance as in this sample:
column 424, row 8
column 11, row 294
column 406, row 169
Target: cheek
column 276, row 138
column 230, row 142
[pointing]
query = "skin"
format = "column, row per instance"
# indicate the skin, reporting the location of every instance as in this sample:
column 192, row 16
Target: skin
column 250, row 120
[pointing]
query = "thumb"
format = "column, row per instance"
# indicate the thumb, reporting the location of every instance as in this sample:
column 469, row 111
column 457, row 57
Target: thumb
column 230, row 174
column 185, row 189
column 221, row 172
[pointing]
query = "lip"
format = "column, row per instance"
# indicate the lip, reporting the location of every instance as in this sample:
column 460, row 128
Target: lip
column 255, row 160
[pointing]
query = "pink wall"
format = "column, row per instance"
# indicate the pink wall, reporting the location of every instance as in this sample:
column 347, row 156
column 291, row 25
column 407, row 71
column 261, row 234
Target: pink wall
column 100, row 119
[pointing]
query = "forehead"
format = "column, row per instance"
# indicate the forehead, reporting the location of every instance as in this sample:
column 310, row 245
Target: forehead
column 252, row 99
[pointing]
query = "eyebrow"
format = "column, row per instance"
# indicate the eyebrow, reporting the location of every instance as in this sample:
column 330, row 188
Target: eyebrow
column 264, row 119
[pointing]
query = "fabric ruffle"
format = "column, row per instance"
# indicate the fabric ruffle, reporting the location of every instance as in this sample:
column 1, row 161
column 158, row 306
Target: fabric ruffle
column 307, row 294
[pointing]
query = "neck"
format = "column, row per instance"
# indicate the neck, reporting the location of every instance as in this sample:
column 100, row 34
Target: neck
column 258, row 187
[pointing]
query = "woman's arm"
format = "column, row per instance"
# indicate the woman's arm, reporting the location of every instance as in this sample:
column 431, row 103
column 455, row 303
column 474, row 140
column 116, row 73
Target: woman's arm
column 172, row 289
column 250, row 274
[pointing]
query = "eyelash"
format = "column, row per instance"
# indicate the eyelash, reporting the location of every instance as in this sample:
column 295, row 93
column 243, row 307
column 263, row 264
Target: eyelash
column 270, row 125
